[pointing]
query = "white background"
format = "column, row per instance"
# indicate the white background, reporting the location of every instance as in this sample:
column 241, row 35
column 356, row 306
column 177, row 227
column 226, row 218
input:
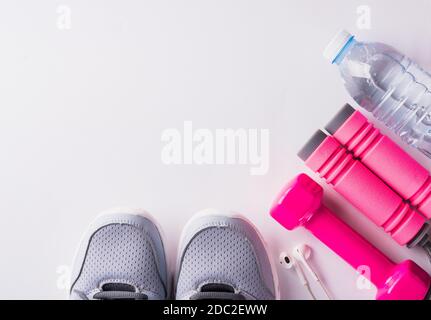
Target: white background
column 83, row 110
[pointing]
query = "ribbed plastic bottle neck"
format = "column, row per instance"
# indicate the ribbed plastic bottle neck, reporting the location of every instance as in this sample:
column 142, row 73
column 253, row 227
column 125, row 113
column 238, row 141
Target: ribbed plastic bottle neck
column 344, row 51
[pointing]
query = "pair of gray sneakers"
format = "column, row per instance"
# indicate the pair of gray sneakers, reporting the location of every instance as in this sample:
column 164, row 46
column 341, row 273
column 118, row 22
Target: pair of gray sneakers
column 220, row 257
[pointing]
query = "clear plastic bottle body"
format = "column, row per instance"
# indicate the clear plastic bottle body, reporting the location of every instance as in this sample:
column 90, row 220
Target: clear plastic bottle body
column 390, row 86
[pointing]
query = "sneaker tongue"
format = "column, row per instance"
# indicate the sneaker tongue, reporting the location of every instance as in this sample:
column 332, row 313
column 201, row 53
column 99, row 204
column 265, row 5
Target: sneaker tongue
column 217, row 291
column 118, row 287
column 119, row 291
column 217, row 287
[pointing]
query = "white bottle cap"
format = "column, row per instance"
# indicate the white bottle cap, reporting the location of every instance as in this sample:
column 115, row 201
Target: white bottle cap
column 334, row 47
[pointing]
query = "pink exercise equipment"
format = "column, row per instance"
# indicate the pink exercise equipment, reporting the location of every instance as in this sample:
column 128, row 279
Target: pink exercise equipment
column 300, row 204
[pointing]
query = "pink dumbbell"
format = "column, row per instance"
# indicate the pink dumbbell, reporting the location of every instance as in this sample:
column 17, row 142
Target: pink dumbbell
column 366, row 191
column 384, row 157
column 299, row 204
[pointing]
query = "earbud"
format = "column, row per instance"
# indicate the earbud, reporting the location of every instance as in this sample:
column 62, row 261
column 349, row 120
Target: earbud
column 288, row 262
column 302, row 252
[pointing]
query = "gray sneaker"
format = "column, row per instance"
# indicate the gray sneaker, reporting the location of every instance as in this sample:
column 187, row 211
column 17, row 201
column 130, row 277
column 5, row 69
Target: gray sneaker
column 121, row 257
column 224, row 258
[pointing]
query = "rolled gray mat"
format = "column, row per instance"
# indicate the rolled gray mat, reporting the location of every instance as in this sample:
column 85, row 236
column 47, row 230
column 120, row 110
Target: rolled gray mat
column 339, row 118
column 312, row 144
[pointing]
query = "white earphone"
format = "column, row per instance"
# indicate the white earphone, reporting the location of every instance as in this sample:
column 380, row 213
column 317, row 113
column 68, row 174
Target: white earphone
column 301, row 253
column 289, row 262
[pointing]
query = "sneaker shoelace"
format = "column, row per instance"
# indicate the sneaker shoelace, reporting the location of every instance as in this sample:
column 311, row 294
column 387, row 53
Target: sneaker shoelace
column 217, row 291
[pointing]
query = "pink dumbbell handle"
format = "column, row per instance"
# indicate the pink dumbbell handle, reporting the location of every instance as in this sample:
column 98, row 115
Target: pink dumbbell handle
column 383, row 156
column 349, row 245
column 361, row 187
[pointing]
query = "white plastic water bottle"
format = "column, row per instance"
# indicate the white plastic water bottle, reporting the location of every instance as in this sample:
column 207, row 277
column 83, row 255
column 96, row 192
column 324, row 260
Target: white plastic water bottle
column 387, row 84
